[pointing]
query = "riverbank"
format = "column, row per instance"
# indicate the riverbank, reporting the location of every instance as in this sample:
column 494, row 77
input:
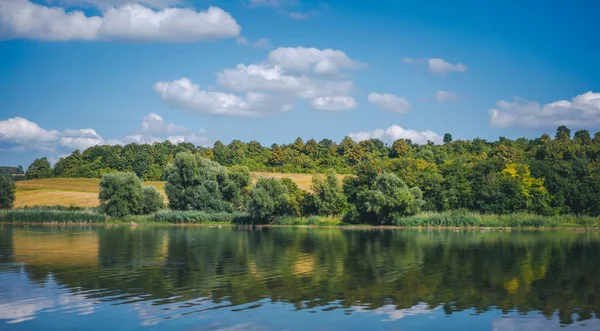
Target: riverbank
column 426, row 220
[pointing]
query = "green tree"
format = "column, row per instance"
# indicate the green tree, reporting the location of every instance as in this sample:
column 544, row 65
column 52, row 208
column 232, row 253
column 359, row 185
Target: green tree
column 7, row 192
column 329, row 198
column 269, row 198
column 447, row 138
column 389, row 197
column 151, row 201
column 120, row 194
column 39, row 168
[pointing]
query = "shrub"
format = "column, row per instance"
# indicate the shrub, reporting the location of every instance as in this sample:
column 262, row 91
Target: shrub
column 49, row 215
column 152, row 201
column 269, row 199
column 120, row 194
column 7, row 192
column 329, row 199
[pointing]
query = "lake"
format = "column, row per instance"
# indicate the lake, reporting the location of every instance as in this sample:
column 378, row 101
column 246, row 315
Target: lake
column 224, row 278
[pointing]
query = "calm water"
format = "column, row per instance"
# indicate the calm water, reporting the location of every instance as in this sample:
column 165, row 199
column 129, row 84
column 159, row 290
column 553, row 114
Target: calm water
column 192, row 278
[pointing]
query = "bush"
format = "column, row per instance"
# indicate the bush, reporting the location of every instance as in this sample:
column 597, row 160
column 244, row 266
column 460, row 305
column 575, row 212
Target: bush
column 152, row 201
column 7, row 192
column 120, row 194
column 269, row 199
column 329, row 199
column 197, row 183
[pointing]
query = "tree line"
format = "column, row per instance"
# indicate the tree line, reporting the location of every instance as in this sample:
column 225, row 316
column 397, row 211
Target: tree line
column 546, row 175
column 195, row 183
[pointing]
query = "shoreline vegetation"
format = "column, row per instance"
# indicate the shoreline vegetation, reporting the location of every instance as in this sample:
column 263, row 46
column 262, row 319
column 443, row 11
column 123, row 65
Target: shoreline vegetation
column 463, row 220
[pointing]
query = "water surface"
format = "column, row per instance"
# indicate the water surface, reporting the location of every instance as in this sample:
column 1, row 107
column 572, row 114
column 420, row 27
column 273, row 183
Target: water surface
column 201, row 278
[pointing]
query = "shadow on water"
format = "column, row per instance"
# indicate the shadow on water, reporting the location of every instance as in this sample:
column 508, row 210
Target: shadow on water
column 168, row 272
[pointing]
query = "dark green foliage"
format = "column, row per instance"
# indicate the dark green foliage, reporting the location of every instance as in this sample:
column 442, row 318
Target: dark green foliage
column 476, row 175
column 328, row 197
column 4, row 170
column 40, row 168
column 197, row 183
column 270, row 198
column 387, row 198
column 152, row 201
column 120, row 194
column 7, row 192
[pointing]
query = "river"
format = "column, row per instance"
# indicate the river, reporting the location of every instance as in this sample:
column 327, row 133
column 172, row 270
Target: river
column 224, row 278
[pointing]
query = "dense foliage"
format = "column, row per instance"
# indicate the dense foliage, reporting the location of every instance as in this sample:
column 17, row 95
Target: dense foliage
column 7, row 192
column 151, row 200
column 559, row 175
column 197, row 183
column 40, row 168
column 4, row 170
column 120, row 194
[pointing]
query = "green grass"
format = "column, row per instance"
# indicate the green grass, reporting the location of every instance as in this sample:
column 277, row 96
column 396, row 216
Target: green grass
column 460, row 219
column 517, row 220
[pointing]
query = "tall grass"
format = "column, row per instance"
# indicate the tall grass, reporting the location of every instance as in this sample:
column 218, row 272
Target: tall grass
column 198, row 217
column 51, row 215
column 517, row 220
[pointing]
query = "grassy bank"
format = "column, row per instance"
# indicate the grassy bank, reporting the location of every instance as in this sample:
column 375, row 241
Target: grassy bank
column 457, row 219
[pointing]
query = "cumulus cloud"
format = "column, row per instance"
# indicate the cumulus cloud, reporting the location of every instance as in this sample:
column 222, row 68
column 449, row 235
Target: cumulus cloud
column 154, row 124
column 437, row 65
column 79, row 139
column 442, row 96
column 582, row 111
column 19, row 134
column 182, row 93
column 129, row 22
column 334, row 103
column 389, row 102
column 312, row 60
column 105, row 4
column 396, row 132
column 273, row 85
column 241, row 40
column 440, row 66
column 262, row 43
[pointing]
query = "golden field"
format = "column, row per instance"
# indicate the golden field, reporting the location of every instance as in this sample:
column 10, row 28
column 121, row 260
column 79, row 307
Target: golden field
column 83, row 192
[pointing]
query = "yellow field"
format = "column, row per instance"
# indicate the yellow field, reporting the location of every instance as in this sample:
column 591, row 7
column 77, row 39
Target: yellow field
column 83, row 192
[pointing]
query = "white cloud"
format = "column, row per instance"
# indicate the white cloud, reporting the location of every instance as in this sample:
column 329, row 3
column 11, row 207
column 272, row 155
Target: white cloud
column 105, row 4
column 334, row 103
column 440, row 66
column 582, row 111
column 182, row 93
column 129, row 22
column 396, row 132
column 394, row 313
column 262, row 43
column 272, row 78
column 242, row 40
column 80, row 139
column 437, row 65
column 389, row 102
column 446, row 96
column 274, row 85
column 154, row 124
column 303, row 16
column 20, row 134
column 311, row 60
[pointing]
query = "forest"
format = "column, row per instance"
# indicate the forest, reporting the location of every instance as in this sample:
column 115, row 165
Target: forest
column 545, row 176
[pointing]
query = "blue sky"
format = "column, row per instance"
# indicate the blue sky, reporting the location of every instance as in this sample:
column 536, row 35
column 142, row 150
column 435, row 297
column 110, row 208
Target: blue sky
column 80, row 72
